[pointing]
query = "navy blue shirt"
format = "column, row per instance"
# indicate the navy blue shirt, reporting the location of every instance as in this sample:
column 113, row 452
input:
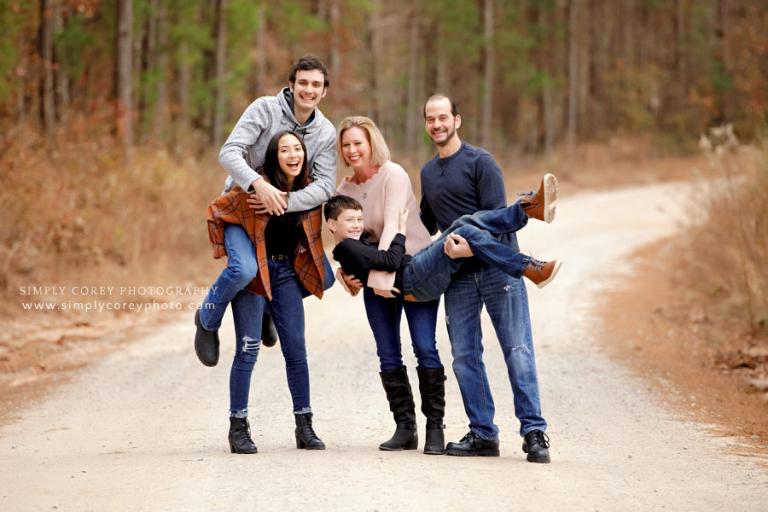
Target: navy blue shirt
column 463, row 183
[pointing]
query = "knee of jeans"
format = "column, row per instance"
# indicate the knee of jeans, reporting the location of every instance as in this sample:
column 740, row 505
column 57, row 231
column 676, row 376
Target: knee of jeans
column 243, row 271
column 248, row 350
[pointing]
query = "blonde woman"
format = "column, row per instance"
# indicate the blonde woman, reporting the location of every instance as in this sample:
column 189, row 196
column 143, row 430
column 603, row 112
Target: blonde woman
column 383, row 188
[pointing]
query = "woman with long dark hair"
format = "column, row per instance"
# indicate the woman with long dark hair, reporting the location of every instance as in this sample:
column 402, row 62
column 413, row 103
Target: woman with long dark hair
column 289, row 252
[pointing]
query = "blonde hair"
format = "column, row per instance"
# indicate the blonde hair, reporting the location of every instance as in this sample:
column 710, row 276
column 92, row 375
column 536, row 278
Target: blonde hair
column 379, row 150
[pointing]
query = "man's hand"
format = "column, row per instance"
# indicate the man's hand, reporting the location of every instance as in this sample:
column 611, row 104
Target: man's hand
column 267, row 199
column 402, row 221
column 352, row 284
column 456, row 246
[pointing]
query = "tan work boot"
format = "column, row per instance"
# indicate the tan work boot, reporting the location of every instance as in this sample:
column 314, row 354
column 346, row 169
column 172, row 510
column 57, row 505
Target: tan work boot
column 541, row 273
column 543, row 204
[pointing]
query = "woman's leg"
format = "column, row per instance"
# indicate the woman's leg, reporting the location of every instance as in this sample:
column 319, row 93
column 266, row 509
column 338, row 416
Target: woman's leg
column 384, row 318
column 241, row 269
column 422, row 319
column 288, row 312
column 247, row 310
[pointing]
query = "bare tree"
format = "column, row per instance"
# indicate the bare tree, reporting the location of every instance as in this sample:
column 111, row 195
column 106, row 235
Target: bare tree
column 219, row 70
column 124, row 46
column 486, row 128
column 574, row 27
column 45, row 41
column 412, row 125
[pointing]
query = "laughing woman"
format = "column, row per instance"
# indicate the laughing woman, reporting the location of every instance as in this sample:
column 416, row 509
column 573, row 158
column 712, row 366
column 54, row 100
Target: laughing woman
column 289, row 252
column 383, row 188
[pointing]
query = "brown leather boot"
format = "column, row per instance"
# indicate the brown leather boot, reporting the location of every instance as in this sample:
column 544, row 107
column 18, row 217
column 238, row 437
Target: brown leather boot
column 543, row 204
column 542, row 272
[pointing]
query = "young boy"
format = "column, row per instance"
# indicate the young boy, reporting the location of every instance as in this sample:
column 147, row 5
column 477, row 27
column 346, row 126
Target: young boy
column 427, row 274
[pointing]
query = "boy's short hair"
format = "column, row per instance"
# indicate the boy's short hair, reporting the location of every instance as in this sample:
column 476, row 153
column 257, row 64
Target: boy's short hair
column 339, row 203
column 308, row 63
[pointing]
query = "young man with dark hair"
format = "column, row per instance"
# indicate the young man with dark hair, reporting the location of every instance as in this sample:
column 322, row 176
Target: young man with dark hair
column 294, row 108
column 460, row 180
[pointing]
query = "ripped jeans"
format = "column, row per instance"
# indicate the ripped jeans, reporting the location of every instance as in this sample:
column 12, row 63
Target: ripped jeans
column 506, row 299
column 288, row 314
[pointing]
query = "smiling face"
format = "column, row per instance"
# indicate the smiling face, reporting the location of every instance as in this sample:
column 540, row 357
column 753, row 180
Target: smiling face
column 290, row 156
column 308, row 89
column 440, row 123
column 355, row 148
column 349, row 224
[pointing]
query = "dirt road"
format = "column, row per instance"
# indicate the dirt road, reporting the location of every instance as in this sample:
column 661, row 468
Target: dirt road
column 146, row 428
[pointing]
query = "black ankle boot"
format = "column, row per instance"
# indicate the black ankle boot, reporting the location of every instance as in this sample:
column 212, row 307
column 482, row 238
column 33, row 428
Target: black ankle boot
column 398, row 390
column 240, row 436
column 268, row 330
column 206, row 343
column 305, row 434
column 432, row 389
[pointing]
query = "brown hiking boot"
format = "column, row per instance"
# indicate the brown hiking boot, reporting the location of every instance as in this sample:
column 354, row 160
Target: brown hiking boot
column 543, row 203
column 542, row 272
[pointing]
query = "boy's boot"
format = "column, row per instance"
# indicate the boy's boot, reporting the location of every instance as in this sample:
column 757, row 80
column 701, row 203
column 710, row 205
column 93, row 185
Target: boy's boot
column 543, row 204
column 542, row 272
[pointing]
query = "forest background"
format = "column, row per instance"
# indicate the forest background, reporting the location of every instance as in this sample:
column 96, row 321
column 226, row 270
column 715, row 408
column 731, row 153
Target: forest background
column 112, row 113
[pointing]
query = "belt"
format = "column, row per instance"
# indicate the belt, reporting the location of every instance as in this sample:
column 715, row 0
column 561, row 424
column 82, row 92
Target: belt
column 279, row 257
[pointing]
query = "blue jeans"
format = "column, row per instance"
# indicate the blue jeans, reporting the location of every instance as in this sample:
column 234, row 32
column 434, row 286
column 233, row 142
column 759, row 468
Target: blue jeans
column 507, row 303
column 288, row 314
column 241, row 269
column 430, row 271
column 384, row 318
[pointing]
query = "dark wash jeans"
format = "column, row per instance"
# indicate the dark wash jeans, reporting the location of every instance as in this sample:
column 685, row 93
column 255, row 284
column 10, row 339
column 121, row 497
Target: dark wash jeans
column 429, row 273
column 288, row 314
column 240, row 271
column 384, row 318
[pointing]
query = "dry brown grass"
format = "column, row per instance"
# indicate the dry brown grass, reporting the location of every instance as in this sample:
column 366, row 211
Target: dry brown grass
column 73, row 213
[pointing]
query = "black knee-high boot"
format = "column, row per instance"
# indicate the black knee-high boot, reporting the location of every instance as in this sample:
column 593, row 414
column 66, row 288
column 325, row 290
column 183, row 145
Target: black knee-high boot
column 432, row 389
column 398, row 390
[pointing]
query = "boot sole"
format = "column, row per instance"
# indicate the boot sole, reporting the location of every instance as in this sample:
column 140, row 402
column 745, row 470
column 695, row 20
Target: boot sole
column 475, row 453
column 399, row 449
column 550, row 197
column 551, row 276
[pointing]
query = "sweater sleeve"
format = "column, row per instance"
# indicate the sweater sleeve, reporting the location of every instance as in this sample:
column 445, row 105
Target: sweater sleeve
column 396, row 191
column 249, row 127
column 490, row 184
column 323, row 174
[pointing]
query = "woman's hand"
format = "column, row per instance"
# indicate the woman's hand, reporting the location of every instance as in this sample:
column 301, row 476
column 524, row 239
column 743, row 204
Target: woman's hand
column 352, row 284
column 267, row 199
column 402, row 221
column 456, row 246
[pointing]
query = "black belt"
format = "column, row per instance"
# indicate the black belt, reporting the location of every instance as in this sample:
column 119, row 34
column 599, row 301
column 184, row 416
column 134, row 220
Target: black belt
column 279, row 257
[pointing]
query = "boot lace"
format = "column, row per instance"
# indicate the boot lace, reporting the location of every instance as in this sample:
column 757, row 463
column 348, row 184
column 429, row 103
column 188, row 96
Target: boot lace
column 540, row 438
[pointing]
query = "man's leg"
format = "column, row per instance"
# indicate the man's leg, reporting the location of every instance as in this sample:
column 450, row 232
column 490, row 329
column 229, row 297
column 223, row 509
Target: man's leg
column 462, row 316
column 507, row 303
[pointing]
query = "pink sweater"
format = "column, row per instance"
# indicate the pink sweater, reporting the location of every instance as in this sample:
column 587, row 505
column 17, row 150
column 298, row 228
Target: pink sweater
column 382, row 196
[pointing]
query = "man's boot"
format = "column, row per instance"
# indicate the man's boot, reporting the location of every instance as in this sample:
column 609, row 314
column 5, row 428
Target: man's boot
column 268, row 330
column 432, row 389
column 400, row 397
column 206, row 343
column 543, row 204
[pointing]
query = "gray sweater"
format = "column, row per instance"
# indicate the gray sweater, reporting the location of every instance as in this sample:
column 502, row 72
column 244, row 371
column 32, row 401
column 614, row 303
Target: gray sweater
column 242, row 155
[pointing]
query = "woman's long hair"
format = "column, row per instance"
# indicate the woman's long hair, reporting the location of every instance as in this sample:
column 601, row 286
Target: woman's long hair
column 274, row 173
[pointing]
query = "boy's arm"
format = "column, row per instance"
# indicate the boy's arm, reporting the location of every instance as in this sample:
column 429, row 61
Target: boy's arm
column 368, row 257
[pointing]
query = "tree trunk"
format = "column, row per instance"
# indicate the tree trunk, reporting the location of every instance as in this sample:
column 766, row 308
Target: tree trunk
column 147, row 65
column 219, row 70
column 47, row 102
column 486, row 128
column 260, row 80
column 160, row 116
column 373, row 42
column 60, row 77
column 335, row 51
column 573, row 70
column 412, row 101
column 124, row 46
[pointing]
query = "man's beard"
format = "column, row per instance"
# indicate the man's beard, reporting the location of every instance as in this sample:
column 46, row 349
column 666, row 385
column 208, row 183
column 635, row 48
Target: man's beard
column 448, row 137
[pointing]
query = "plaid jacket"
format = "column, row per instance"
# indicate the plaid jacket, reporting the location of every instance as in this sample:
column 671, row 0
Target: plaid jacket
column 232, row 208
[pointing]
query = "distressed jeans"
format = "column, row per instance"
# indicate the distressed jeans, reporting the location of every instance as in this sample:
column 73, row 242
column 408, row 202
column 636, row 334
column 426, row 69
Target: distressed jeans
column 430, row 271
column 288, row 314
column 506, row 299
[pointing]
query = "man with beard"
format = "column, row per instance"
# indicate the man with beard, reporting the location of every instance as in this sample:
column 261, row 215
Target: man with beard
column 462, row 179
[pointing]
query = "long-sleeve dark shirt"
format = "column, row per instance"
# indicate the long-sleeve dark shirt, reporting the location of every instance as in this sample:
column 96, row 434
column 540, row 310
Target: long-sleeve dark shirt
column 359, row 257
